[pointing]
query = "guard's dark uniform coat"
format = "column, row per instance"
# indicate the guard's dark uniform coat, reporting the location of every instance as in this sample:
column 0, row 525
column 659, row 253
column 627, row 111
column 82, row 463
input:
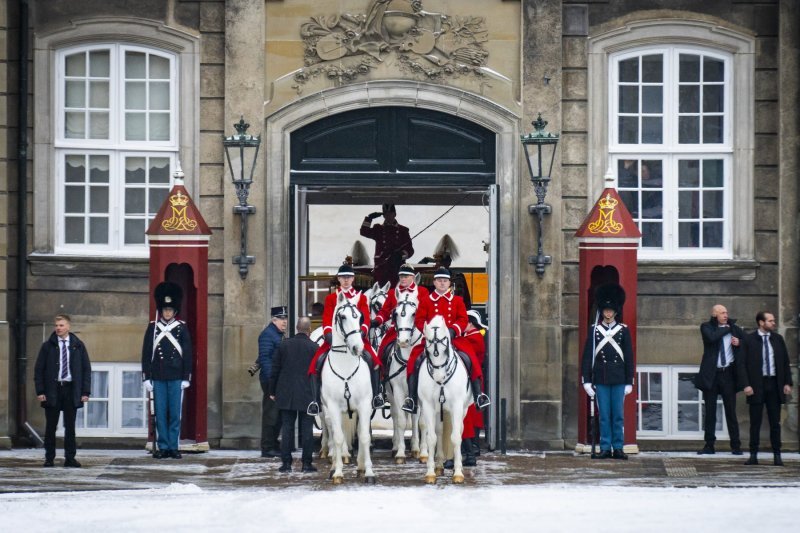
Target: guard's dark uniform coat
column 167, row 363
column 609, row 367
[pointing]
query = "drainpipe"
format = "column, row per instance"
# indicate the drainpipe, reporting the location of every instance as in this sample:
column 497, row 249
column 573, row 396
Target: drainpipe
column 22, row 221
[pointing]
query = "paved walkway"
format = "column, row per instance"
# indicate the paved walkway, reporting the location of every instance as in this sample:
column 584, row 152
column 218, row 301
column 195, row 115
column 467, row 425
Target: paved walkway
column 21, row 471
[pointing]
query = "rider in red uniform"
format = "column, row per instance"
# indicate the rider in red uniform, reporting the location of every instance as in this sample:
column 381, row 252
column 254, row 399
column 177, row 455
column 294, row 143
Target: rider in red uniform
column 442, row 302
column 472, row 342
column 345, row 276
column 392, row 244
column 405, row 284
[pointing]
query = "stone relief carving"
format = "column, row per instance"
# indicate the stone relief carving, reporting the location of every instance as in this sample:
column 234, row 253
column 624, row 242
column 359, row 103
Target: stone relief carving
column 426, row 45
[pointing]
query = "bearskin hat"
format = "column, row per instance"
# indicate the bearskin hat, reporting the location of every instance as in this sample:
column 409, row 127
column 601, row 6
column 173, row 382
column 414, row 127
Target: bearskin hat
column 610, row 296
column 168, row 294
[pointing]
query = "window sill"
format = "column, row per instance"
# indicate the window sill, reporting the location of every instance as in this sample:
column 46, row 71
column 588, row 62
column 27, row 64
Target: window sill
column 714, row 270
column 88, row 266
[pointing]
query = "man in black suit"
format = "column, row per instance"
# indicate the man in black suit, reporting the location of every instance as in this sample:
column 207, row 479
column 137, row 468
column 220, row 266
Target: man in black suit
column 717, row 376
column 63, row 380
column 764, row 372
column 290, row 389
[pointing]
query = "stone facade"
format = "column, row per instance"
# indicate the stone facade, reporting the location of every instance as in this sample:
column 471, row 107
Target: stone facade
column 544, row 56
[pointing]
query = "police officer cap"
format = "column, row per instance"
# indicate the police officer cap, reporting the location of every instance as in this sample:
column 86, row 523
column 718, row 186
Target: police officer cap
column 406, row 270
column 346, row 270
column 168, row 294
column 280, row 312
column 610, row 296
column 474, row 316
column 441, row 272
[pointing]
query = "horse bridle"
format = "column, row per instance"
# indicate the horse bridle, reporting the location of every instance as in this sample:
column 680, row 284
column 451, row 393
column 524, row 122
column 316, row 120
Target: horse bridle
column 340, row 324
column 449, row 364
column 373, row 301
column 402, row 305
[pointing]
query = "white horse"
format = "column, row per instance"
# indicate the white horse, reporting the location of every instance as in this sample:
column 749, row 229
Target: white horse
column 408, row 336
column 376, row 295
column 346, row 388
column 444, row 397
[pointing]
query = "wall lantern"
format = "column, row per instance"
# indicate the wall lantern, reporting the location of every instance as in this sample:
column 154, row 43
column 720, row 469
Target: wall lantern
column 244, row 156
column 540, row 147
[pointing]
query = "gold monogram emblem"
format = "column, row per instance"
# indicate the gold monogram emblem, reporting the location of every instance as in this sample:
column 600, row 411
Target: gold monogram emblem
column 605, row 222
column 179, row 221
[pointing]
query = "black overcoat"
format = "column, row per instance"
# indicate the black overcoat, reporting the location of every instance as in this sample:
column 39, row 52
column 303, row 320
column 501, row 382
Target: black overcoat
column 289, row 381
column 48, row 368
column 750, row 370
column 712, row 337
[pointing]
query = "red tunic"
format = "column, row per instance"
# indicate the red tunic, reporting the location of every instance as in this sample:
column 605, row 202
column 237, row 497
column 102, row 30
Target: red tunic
column 451, row 308
column 327, row 324
column 472, row 343
column 385, row 314
column 389, row 239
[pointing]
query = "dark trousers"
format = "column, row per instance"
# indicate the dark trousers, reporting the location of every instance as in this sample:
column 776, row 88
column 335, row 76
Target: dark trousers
column 724, row 385
column 773, row 404
column 64, row 403
column 270, row 421
column 287, row 434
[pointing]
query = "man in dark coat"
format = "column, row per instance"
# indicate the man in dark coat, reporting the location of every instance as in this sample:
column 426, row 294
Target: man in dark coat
column 63, row 380
column 167, row 367
column 607, row 369
column 268, row 342
column 290, row 388
column 717, row 376
column 392, row 244
column 764, row 372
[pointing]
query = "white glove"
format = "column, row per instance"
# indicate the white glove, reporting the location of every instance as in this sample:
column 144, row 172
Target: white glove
column 148, row 385
column 589, row 390
column 628, row 389
column 184, row 384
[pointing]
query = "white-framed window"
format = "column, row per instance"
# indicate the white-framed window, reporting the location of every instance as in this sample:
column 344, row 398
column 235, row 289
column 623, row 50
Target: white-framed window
column 669, row 406
column 670, row 132
column 116, row 142
column 117, row 405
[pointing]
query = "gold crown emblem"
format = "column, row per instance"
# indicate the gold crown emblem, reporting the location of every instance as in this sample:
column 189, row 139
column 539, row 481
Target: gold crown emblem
column 179, row 199
column 608, row 202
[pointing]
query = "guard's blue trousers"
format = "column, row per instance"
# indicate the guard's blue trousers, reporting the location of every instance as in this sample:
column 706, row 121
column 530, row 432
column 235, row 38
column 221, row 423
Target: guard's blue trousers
column 168, row 412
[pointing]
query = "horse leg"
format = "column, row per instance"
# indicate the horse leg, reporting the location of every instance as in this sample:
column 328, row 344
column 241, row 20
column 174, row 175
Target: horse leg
column 364, row 458
column 324, row 451
column 399, row 423
column 335, row 426
column 438, row 451
column 455, row 437
column 430, row 438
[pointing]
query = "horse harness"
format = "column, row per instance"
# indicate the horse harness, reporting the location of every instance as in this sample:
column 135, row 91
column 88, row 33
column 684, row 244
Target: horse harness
column 402, row 306
column 342, row 348
column 450, row 364
column 395, row 351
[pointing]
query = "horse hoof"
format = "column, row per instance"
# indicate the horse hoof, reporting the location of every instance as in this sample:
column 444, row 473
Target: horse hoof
column 430, row 479
column 369, row 480
column 423, row 458
column 346, row 460
column 323, row 454
column 439, row 471
column 458, row 479
column 415, row 454
column 360, row 472
column 337, row 480
column 399, row 460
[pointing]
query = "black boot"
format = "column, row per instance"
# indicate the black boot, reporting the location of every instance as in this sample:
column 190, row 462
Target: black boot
column 469, row 453
column 285, row 467
column 776, row 460
column 481, row 400
column 753, row 459
column 313, row 407
column 375, row 379
column 410, row 403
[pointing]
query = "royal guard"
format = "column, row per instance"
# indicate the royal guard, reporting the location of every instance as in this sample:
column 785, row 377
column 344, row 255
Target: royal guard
column 405, row 284
column 392, row 244
column 167, row 367
column 442, row 302
column 345, row 276
column 473, row 343
column 607, row 368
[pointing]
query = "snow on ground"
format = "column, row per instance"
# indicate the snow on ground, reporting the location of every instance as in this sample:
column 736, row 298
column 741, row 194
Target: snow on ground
column 186, row 507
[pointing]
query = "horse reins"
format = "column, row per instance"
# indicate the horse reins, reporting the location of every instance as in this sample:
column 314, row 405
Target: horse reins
column 342, row 348
column 450, row 364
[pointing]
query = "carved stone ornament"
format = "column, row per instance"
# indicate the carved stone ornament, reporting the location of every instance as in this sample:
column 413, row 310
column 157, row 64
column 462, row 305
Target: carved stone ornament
column 426, row 45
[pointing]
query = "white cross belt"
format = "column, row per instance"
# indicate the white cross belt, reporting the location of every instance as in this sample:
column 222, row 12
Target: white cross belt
column 165, row 332
column 608, row 338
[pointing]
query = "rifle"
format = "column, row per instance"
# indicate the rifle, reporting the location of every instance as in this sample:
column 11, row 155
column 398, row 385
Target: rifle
column 592, row 427
column 152, row 421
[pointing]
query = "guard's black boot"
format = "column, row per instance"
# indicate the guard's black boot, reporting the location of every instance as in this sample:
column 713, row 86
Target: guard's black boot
column 286, row 467
column 753, row 459
column 619, row 454
column 308, row 468
column 377, row 395
column 410, row 403
column 776, row 459
column 481, row 400
column 469, row 453
column 313, row 407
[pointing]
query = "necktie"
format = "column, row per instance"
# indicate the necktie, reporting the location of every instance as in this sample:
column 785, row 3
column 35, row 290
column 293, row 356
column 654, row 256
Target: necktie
column 722, row 359
column 64, row 361
column 766, row 355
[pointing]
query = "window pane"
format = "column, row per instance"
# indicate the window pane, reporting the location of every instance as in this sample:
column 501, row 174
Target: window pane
column 712, row 129
column 713, row 69
column 688, row 130
column 627, row 173
column 689, row 234
column 134, row 127
column 688, row 417
column 75, row 170
column 652, row 99
column 712, row 235
column 74, row 230
column 651, row 130
column 652, row 417
column 98, row 168
column 157, row 197
column 134, row 201
column 133, row 415
column 652, row 69
column 132, row 386
column 99, row 384
column 135, row 65
column 75, row 64
column 98, row 94
column 75, row 125
column 98, row 199
column 652, row 173
column 712, row 173
column 629, row 130
column 651, row 234
column 689, row 99
column 689, row 68
column 159, row 170
column 712, row 204
column 159, row 126
column 98, row 230
column 629, row 99
column 629, row 70
column 134, row 231
column 134, row 170
column 631, row 201
column 644, row 388
column 159, row 96
column 688, row 204
column 74, row 200
column 75, row 94
column 98, row 125
column 651, row 204
column 655, row 386
column 97, row 414
column 99, row 64
column 688, row 173
column 713, row 98
column 159, row 68
column 135, row 95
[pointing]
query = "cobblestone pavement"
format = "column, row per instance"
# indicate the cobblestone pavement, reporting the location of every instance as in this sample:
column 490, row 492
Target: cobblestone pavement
column 22, row 471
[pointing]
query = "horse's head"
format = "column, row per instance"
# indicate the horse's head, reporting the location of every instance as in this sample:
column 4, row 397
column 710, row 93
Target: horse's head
column 376, row 296
column 404, row 316
column 347, row 321
column 437, row 338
